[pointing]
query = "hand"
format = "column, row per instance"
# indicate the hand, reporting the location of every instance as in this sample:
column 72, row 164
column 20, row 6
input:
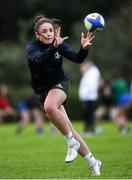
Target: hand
column 58, row 39
column 86, row 42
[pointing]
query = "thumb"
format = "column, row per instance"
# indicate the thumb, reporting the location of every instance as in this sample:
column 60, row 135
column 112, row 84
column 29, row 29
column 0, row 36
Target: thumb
column 65, row 38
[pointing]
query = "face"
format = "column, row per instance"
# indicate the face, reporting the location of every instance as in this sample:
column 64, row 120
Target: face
column 45, row 33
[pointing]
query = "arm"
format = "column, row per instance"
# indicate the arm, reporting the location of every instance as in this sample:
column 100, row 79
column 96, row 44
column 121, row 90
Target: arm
column 36, row 55
column 71, row 54
column 10, row 111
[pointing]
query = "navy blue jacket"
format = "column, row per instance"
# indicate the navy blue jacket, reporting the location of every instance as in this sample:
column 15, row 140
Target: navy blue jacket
column 45, row 63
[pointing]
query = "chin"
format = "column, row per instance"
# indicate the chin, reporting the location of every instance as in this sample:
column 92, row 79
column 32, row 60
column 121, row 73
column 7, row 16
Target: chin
column 48, row 41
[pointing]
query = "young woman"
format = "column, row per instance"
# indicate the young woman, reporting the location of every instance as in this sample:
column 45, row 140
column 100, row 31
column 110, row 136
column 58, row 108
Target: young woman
column 51, row 84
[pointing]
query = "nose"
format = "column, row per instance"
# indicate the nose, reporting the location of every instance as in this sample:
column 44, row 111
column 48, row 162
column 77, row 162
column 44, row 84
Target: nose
column 48, row 33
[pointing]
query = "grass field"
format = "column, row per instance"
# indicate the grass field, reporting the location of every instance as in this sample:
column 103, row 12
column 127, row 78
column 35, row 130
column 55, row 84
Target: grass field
column 29, row 156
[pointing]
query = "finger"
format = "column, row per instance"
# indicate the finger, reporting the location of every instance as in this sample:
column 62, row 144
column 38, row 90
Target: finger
column 58, row 31
column 90, row 44
column 82, row 35
column 91, row 38
column 89, row 34
column 87, row 45
column 65, row 38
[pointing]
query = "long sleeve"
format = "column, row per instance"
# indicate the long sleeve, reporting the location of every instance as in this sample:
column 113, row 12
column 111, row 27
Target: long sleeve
column 36, row 55
column 71, row 54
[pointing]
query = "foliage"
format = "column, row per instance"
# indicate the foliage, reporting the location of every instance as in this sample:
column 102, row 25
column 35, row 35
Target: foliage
column 74, row 105
column 68, row 11
column 13, row 65
column 111, row 48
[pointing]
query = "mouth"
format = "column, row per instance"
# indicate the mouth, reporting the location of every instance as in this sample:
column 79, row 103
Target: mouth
column 48, row 39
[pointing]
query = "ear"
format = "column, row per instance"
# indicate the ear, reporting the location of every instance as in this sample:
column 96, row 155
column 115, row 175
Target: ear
column 37, row 35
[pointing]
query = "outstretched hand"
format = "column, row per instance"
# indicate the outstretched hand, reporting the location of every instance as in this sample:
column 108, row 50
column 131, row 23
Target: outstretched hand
column 86, row 41
column 58, row 39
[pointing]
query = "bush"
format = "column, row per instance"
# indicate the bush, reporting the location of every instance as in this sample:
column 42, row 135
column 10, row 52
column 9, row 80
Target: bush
column 73, row 105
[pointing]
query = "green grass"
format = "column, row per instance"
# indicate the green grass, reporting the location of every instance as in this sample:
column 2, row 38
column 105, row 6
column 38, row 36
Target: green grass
column 28, row 155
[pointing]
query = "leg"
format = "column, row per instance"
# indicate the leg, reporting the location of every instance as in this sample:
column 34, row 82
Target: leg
column 24, row 120
column 54, row 100
column 83, row 150
column 98, row 115
column 120, row 119
column 57, row 115
column 88, row 116
column 39, row 120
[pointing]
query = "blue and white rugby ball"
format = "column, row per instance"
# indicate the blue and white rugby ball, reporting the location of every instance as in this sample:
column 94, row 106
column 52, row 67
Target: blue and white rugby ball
column 94, row 22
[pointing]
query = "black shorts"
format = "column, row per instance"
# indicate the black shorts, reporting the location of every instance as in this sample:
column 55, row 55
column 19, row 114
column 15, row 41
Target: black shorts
column 64, row 85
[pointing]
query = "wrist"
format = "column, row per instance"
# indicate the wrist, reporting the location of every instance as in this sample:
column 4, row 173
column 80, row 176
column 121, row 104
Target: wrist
column 85, row 48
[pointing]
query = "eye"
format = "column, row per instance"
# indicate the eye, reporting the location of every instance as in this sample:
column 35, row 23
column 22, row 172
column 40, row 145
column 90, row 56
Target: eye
column 51, row 30
column 44, row 31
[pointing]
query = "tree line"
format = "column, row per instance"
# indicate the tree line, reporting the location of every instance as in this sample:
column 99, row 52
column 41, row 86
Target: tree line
column 111, row 47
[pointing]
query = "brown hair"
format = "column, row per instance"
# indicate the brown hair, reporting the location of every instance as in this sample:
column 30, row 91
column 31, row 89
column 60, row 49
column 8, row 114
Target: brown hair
column 40, row 19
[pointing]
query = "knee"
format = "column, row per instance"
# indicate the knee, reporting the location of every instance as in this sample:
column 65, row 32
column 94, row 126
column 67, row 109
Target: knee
column 49, row 109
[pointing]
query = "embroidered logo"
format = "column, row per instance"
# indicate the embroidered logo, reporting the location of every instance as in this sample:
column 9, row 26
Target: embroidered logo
column 57, row 55
column 59, row 86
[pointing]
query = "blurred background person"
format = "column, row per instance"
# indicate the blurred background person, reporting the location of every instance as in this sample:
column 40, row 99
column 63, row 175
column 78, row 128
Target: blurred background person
column 123, row 106
column 120, row 89
column 29, row 110
column 105, row 106
column 114, row 103
column 5, row 107
column 119, row 85
column 88, row 94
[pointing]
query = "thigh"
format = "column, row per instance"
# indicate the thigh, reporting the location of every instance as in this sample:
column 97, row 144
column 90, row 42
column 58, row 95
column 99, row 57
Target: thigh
column 25, row 116
column 53, row 93
column 55, row 97
column 114, row 111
